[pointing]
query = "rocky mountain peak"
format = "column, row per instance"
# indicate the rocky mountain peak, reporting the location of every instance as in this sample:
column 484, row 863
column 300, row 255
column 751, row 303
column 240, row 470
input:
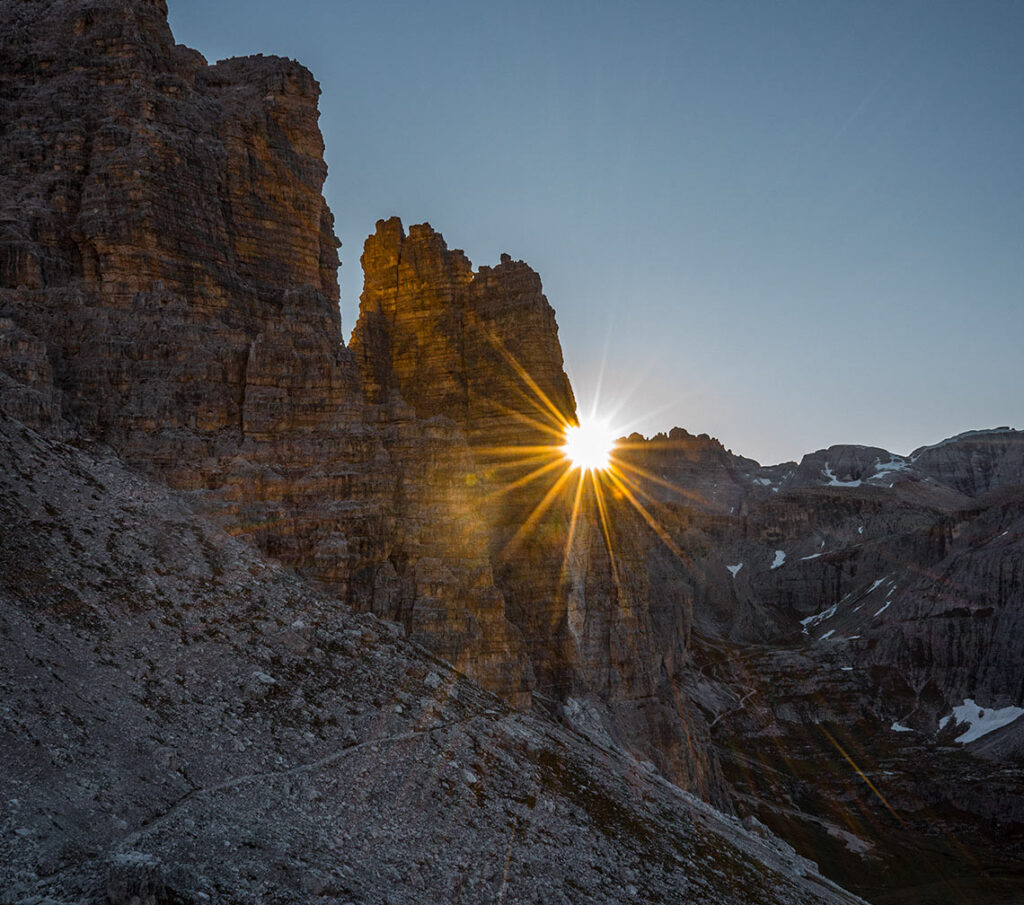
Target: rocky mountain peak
column 480, row 347
column 846, row 464
column 224, row 163
column 975, row 462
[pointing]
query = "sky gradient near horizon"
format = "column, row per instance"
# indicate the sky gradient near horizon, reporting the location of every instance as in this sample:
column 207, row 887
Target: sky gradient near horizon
column 785, row 223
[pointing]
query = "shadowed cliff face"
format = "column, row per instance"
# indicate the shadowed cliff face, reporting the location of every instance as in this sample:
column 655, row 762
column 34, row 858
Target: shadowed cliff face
column 913, row 565
column 847, row 609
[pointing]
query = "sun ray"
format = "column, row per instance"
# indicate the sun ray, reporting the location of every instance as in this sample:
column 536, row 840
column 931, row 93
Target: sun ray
column 860, row 773
column 635, row 486
column 572, row 522
column 523, row 481
column 555, row 431
column 514, row 466
column 559, row 417
column 606, row 529
column 543, row 406
column 654, row 479
column 656, row 526
column 526, row 452
column 536, row 515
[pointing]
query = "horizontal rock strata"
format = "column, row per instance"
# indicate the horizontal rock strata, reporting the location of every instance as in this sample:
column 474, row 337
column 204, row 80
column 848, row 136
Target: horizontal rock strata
column 163, row 237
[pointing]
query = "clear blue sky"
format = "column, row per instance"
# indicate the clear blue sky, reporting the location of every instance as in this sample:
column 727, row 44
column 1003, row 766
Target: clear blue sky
column 787, row 224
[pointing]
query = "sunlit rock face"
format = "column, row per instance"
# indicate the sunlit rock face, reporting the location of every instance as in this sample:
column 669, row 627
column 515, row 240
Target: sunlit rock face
column 166, row 252
column 162, row 222
column 480, row 347
column 168, row 272
column 602, row 619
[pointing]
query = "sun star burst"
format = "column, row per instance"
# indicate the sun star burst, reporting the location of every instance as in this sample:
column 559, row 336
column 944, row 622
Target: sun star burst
column 588, row 446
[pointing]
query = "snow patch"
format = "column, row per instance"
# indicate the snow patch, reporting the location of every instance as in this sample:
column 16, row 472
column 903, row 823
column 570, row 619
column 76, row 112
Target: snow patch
column 780, row 558
column 888, row 603
column 735, row 569
column 811, row 621
column 883, row 469
column 812, row 556
column 899, row 727
column 833, row 481
column 981, row 721
column 827, row 635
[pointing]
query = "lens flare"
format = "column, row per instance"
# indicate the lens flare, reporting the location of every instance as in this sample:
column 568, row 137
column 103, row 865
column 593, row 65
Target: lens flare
column 578, row 465
column 588, row 446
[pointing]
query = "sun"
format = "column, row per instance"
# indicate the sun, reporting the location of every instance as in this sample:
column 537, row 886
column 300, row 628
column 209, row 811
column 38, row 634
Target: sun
column 588, row 446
